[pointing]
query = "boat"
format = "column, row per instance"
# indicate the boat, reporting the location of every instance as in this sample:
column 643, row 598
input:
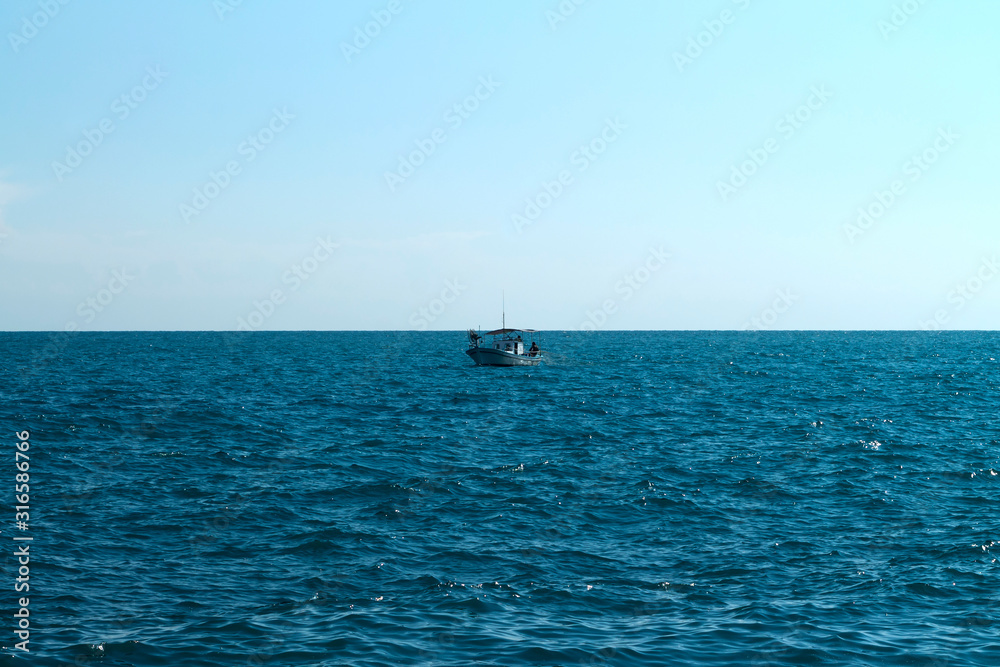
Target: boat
column 504, row 347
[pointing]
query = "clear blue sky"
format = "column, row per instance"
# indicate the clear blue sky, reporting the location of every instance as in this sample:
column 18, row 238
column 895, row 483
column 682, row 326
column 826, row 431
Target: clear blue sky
column 313, row 120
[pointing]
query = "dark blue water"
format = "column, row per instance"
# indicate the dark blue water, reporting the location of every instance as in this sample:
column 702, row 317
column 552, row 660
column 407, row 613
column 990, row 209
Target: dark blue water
column 375, row 499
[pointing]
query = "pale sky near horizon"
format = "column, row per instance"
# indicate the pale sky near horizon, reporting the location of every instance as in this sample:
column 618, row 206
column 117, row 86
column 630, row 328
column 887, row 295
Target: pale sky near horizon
column 636, row 165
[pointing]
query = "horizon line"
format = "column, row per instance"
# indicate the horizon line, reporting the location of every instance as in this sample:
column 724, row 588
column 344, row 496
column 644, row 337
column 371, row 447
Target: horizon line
column 462, row 331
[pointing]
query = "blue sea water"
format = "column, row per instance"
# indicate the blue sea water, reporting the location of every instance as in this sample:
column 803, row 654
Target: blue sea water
column 373, row 498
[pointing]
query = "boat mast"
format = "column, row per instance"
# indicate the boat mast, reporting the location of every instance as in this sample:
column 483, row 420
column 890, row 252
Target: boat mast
column 503, row 310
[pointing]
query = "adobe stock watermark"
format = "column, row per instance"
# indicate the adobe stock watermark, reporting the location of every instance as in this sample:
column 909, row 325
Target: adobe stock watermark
column 223, row 7
column 122, row 107
column 88, row 309
column 563, row 11
column 455, row 116
column 626, row 288
column 714, row 28
column 914, row 168
column 900, row 16
column 249, row 149
column 30, row 25
column 769, row 316
column 963, row 293
column 92, row 305
column 789, row 124
column 584, row 156
column 425, row 316
column 296, row 275
column 363, row 35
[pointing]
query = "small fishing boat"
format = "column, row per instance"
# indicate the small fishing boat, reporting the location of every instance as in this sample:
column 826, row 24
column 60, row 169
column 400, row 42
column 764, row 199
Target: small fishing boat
column 504, row 347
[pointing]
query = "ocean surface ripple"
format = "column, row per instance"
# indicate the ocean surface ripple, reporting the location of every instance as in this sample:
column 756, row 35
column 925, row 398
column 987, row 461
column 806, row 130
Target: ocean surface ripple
column 642, row 498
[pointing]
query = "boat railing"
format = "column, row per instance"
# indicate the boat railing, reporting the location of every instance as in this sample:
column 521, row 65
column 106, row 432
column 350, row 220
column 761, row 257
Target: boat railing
column 508, row 342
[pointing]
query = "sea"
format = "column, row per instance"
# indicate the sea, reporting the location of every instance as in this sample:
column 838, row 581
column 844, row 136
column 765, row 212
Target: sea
column 374, row 498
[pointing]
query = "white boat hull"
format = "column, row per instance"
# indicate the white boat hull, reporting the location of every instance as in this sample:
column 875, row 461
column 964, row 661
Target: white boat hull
column 487, row 356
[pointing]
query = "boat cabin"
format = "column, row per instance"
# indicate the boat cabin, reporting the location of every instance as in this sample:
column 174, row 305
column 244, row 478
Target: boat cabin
column 509, row 345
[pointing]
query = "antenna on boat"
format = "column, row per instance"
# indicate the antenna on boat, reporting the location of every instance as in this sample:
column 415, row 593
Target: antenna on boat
column 503, row 310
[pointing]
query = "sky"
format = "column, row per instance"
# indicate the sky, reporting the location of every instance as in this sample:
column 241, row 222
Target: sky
column 393, row 165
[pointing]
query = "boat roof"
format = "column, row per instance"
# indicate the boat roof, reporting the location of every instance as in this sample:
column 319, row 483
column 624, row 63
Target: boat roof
column 500, row 332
